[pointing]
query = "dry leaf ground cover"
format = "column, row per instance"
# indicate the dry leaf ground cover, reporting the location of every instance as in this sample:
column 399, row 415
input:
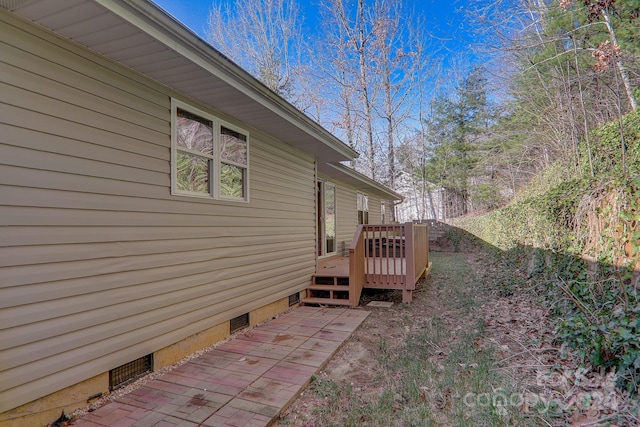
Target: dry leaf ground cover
column 476, row 347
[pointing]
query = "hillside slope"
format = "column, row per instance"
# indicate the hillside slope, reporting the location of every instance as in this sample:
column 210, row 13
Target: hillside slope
column 576, row 233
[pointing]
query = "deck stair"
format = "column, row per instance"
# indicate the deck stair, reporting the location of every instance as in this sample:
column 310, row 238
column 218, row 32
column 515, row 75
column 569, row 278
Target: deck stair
column 381, row 256
column 330, row 290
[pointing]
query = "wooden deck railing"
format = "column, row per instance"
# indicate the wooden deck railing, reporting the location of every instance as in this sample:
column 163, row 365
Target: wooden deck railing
column 388, row 256
column 385, row 252
column 356, row 269
column 420, row 250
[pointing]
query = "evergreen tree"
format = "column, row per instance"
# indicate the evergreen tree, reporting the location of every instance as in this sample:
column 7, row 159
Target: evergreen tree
column 459, row 124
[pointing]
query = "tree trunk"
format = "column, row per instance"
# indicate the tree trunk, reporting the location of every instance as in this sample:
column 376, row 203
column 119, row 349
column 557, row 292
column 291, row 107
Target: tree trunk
column 618, row 61
column 364, row 88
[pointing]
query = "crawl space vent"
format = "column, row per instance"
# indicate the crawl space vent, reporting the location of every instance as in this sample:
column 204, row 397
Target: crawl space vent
column 129, row 372
column 239, row 322
column 294, row 299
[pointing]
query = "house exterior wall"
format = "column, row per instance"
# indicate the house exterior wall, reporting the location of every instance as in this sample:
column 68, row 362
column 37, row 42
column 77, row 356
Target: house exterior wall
column 375, row 216
column 346, row 218
column 99, row 263
column 346, row 213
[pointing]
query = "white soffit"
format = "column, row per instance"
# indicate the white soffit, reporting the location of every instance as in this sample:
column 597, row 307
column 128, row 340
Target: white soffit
column 358, row 180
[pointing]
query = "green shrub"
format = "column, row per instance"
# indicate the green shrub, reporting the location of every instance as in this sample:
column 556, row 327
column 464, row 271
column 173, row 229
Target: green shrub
column 608, row 151
column 603, row 324
column 598, row 312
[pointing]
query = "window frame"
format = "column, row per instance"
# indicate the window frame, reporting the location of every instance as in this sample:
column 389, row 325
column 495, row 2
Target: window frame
column 221, row 161
column 321, row 212
column 326, row 188
column 215, row 160
column 365, row 202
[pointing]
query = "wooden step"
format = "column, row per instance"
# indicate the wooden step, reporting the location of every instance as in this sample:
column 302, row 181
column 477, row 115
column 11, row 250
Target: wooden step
column 326, row 301
column 322, row 280
column 329, row 288
column 328, row 280
column 328, row 276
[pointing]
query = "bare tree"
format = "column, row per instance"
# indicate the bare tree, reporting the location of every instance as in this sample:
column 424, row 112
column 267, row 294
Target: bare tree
column 557, row 91
column 263, row 37
column 607, row 52
column 373, row 50
column 333, row 62
column 395, row 73
column 355, row 44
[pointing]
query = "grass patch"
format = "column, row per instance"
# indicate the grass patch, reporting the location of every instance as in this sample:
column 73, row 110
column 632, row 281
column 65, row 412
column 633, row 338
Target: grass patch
column 454, row 375
column 462, row 283
column 441, row 372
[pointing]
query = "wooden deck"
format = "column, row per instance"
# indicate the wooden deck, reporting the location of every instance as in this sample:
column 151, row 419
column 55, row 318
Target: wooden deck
column 388, row 256
column 381, row 272
column 334, row 266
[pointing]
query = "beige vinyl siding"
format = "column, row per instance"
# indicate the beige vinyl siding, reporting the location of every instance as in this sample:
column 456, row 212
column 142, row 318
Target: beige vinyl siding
column 99, row 264
column 347, row 215
column 374, row 210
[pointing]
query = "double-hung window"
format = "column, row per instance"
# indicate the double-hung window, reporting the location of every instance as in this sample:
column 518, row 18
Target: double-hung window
column 210, row 158
column 362, row 207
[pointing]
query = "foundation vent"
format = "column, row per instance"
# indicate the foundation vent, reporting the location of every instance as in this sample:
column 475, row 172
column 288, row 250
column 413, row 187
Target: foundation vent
column 129, row 372
column 294, row 299
column 239, row 322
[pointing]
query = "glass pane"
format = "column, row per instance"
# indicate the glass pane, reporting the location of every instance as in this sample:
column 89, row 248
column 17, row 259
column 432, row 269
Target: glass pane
column 362, row 208
column 192, row 173
column 232, row 181
column 194, row 132
column 330, row 218
column 233, row 146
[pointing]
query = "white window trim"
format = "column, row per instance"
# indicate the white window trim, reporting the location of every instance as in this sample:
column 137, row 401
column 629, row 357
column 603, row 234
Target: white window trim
column 365, row 199
column 214, row 177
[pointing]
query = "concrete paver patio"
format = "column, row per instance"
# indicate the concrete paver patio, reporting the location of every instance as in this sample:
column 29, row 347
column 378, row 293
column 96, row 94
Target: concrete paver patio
column 246, row 381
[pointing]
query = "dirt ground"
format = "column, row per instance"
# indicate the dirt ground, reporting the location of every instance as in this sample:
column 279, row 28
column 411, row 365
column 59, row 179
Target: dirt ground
column 466, row 351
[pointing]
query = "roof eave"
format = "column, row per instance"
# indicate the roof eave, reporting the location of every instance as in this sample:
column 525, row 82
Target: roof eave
column 363, row 182
column 165, row 28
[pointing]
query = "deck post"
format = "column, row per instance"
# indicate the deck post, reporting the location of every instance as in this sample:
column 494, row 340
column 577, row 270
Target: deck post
column 410, row 278
column 357, row 253
column 407, row 296
column 422, row 250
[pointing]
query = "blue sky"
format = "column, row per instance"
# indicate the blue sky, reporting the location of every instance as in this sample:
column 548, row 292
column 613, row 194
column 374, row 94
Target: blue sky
column 445, row 18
